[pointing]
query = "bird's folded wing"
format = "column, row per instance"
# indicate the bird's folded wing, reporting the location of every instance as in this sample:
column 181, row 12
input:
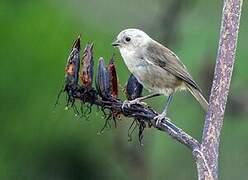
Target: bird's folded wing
column 159, row 55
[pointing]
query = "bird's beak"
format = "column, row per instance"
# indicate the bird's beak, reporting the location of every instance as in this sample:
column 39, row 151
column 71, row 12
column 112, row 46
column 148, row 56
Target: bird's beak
column 116, row 43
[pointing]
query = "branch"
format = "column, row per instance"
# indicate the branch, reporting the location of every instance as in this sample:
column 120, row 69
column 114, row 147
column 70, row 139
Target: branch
column 221, row 82
column 139, row 112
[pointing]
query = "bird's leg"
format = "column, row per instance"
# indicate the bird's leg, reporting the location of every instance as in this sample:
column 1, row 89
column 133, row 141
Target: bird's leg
column 161, row 116
column 138, row 100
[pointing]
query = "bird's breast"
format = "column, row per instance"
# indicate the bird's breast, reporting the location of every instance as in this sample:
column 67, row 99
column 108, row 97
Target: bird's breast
column 152, row 77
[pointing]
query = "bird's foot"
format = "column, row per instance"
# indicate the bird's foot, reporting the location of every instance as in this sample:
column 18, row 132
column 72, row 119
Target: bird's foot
column 159, row 118
column 127, row 103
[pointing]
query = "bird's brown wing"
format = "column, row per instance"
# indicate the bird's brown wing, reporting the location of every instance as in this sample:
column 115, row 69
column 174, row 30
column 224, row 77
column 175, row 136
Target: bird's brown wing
column 163, row 57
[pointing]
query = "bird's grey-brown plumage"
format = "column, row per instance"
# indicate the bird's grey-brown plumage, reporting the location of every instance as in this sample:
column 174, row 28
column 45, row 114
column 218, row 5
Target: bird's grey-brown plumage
column 167, row 60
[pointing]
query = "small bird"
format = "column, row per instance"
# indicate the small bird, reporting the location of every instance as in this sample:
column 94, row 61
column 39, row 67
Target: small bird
column 156, row 67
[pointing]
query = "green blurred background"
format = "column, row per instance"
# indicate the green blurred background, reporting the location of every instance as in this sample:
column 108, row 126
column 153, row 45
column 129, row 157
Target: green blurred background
column 37, row 142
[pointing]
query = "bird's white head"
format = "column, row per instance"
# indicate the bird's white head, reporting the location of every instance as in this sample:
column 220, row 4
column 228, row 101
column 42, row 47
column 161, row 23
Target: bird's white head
column 131, row 39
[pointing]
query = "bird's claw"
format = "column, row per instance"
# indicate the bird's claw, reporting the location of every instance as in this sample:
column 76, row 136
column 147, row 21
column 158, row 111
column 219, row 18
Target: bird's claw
column 128, row 104
column 159, row 118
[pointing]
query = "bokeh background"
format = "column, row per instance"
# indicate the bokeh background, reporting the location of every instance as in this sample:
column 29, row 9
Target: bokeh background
column 38, row 142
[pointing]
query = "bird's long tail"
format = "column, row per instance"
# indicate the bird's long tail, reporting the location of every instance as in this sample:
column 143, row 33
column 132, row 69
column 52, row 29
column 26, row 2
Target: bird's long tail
column 199, row 97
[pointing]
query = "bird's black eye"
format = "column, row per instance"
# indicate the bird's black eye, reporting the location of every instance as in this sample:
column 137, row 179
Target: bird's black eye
column 127, row 39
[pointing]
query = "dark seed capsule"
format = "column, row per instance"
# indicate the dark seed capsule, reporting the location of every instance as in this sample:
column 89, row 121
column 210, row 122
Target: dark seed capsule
column 72, row 67
column 102, row 80
column 133, row 88
column 113, row 78
column 87, row 62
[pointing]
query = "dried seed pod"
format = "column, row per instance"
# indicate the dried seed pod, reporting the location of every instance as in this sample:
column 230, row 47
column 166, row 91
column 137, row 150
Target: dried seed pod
column 113, row 78
column 133, row 88
column 72, row 67
column 87, row 63
column 102, row 80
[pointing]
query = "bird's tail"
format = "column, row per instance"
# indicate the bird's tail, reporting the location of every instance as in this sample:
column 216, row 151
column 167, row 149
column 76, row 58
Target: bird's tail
column 199, row 97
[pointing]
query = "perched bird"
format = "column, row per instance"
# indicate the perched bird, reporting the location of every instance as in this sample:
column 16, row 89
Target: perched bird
column 156, row 67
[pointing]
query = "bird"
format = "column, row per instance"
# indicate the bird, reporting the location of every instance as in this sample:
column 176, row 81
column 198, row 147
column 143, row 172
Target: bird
column 156, row 67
